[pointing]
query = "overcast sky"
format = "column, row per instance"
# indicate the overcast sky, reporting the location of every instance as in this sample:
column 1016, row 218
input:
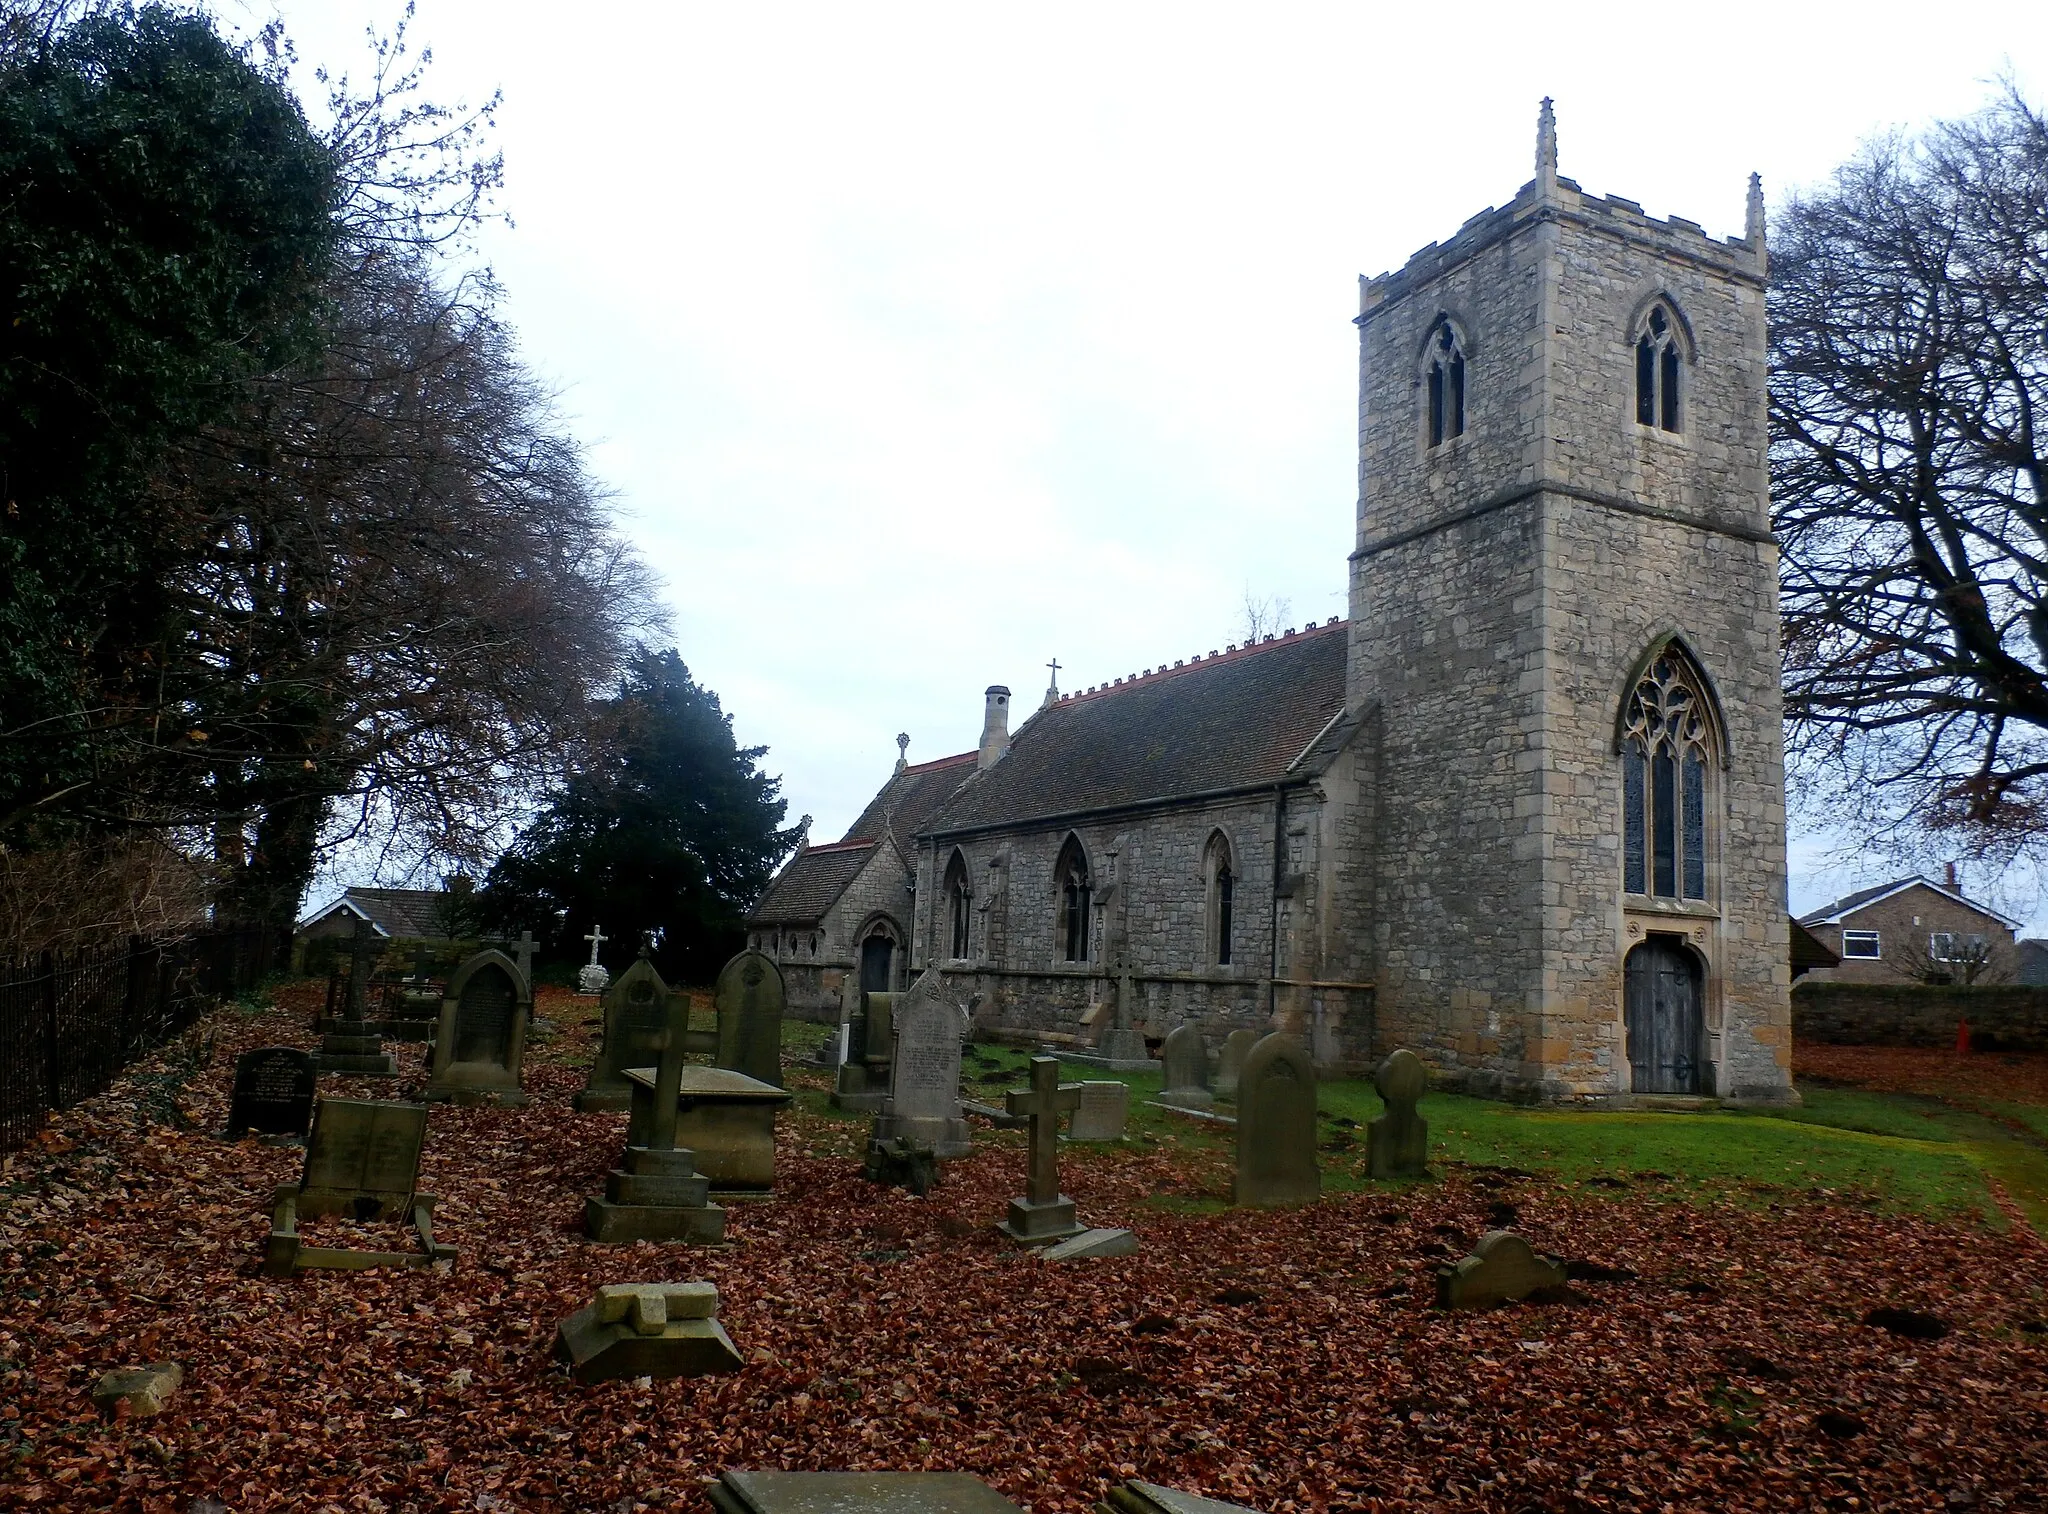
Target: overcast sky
column 924, row 344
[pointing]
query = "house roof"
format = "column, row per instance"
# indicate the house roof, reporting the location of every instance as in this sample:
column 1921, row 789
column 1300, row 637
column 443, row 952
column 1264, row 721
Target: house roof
column 910, row 798
column 813, row 880
column 1249, row 717
column 1808, row 951
column 1837, row 912
column 411, row 913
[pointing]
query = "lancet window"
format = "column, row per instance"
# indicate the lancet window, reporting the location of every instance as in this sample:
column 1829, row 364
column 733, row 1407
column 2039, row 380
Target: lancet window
column 1659, row 363
column 1221, row 885
column 1666, row 738
column 1444, row 377
column 1074, row 899
column 959, row 905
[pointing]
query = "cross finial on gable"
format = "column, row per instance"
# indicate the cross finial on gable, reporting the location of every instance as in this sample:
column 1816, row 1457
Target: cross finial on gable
column 902, row 750
column 1052, row 687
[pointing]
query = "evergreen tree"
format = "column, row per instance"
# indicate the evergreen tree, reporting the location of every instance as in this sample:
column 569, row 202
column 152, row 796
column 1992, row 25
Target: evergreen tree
column 677, row 831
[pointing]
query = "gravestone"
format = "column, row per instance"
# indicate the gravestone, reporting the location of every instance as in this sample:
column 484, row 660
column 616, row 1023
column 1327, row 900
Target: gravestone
column 1091, row 1244
column 1236, row 1047
column 1397, row 1143
column 1276, row 1126
column 656, row 1192
column 923, row 1108
column 725, row 1119
column 647, row 1330
column 1186, row 1062
column 591, row 978
column 352, row 1044
column 749, row 1003
column 635, row 1020
column 862, row 1084
column 480, row 1051
column 1044, row 1214
column 1501, row 1269
column 362, row 1162
column 855, row 1493
column 1101, row 1113
column 273, row 1092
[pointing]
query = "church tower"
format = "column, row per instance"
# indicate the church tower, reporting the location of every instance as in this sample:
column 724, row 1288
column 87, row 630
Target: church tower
column 1564, row 635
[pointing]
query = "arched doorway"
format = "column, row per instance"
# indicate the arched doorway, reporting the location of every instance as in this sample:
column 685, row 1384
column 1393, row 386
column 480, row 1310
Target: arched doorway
column 877, row 964
column 1662, row 1009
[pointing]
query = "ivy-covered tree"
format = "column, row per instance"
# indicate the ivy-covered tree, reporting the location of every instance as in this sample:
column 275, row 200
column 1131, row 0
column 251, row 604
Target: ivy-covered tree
column 165, row 230
column 677, row 832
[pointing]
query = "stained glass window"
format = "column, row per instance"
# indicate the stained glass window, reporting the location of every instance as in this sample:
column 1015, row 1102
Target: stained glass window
column 1664, row 832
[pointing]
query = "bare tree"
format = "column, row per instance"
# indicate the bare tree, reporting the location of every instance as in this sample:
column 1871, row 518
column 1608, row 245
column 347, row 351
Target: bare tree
column 1951, row 957
column 1909, row 349
column 1262, row 615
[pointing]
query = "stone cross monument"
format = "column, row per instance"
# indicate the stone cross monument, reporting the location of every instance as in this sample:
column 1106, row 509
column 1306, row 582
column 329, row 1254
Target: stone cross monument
column 1044, row 1214
column 593, row 979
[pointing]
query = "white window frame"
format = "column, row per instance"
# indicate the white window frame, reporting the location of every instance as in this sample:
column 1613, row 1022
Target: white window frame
column 1871, row 938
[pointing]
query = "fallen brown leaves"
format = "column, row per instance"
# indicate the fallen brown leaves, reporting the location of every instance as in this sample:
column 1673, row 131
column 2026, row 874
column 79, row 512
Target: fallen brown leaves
column 1937, row 1072
column 1286, row 1361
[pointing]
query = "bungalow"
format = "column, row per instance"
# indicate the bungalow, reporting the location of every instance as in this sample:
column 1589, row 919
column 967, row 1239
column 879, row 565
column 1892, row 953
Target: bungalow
column 1914, row 930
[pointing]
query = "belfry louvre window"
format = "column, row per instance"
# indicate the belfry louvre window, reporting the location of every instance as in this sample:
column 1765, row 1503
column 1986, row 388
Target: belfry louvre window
column 1444, row 377
column 1664, row 784
column 1657, row 372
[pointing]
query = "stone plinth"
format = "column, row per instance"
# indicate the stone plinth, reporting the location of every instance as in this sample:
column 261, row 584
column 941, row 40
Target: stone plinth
column 1040, row 1224
column 647, row 1330
column 725, row 1118
column 655, row 1196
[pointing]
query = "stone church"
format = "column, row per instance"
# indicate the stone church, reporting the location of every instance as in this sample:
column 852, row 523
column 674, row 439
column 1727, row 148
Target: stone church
column 1522, row 811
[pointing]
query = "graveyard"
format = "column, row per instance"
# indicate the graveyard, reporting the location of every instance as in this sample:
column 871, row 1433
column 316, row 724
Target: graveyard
column 1839, row 1309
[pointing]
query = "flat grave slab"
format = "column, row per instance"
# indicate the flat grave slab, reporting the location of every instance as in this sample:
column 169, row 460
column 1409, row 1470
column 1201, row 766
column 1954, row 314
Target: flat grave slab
column 857, row 1493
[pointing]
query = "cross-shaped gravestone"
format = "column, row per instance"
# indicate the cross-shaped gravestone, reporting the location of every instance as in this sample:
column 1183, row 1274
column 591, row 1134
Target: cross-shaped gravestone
column 1044, row 1213
column 359, row 972
column 668, row 1075
column 596, row 938
column 522, row 953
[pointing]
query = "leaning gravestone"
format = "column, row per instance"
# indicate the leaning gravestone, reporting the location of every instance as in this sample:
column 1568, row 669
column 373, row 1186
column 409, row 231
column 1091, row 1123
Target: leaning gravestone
column 480, row 1051
column 1236, row 1047
column 635, row 1020
column 362, row 1162
column 1101, row 1113
column 923, row 1109
column 1501, row 1269
column 1186, row 1062
column 749, row 1003
column 1276, row 1126
column 273, row 1092
column 1397, row 1143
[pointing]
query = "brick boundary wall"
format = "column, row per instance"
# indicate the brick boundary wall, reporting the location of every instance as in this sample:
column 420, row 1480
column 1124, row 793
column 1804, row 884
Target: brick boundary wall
column 2002, row 1017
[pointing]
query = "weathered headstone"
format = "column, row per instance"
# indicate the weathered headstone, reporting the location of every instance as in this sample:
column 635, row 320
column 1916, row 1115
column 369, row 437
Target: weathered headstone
column 636, row 1009
column 1044, row 1214
column 1276, row 1126
column 749, row 1003
column 924, row 1083
column 480, row 1051
column 1186, row 1062
column 352, row 1044
column 1101, row 1113
column 656, row 1192
column 363, row 1162
column 1236, row 1047
column 1502, row 1268
column 725, row 1119
column 856, row 1493
column 1397, row 1143
column 273, row 1092
column 862, row 1084
column 647, row 1330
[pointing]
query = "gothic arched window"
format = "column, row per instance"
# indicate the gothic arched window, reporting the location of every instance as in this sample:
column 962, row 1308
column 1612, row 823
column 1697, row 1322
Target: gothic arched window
column 1659, row 362
column 1665, row 741
column 1071, row 875
column 959, row 903
column 1443, row 375
column 1220, row 883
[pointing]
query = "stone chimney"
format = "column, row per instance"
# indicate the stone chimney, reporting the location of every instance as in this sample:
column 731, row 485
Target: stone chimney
column 1948, row 871
column 995, row 727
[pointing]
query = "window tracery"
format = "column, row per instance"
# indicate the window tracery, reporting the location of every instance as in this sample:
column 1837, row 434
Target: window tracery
column 1666, row 736
column 1659, row 363
column 1444, row 378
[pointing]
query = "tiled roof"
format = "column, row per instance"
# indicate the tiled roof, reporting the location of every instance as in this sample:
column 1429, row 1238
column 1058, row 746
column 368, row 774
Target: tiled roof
column 409, row 913
column 814, row 878
column 1245, row 718
column 1848, row 904
column 912, row 797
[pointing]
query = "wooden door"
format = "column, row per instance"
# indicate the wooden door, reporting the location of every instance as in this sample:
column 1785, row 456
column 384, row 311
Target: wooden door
column 877, row 963
column 1663, row 1014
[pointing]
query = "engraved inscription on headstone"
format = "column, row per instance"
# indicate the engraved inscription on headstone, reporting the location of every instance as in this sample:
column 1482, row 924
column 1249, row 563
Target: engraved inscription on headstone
column 367, row 1148
column 749, row 1003
column 483, row 1016
column 273, row 1092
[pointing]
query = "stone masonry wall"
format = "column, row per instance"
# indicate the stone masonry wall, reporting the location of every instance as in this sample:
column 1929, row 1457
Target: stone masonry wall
column 813, row 980
column 1507, row 585
column 2001, row 1018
